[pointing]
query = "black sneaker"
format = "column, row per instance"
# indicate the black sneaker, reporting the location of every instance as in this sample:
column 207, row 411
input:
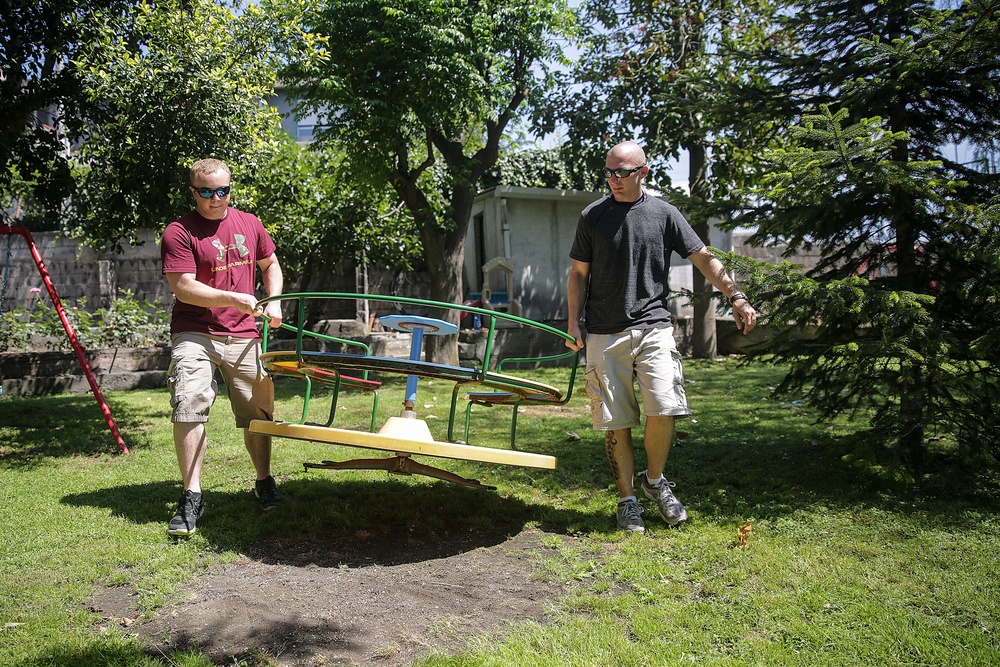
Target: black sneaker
column 189, row 509
column 267, row 493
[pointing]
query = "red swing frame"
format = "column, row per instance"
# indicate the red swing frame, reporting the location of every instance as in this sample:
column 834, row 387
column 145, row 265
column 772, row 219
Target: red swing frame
column 7, row 230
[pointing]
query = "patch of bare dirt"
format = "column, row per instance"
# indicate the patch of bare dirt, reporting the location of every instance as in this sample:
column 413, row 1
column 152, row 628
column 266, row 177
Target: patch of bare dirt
column 307, row 611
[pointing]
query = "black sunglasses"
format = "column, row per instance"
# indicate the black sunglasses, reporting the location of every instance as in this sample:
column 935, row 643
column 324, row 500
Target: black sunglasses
column 206, row 193
column 620, row 173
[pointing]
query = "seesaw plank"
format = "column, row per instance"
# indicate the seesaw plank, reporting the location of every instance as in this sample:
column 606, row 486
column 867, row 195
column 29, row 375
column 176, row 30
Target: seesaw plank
column 490, row 398
column 392, row 444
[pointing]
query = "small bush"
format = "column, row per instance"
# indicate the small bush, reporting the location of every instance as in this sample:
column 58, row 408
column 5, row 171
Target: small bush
column 127, row 322
column 15, row 330
column 130, row 323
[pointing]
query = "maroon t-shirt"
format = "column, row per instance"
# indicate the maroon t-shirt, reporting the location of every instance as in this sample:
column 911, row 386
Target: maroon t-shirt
column 222, row 254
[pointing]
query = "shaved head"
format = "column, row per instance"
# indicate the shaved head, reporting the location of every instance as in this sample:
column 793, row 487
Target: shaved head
column 625, row 168
column 628, row 152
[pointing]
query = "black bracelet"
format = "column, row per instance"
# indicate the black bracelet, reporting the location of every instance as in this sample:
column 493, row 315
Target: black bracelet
column 737, row 296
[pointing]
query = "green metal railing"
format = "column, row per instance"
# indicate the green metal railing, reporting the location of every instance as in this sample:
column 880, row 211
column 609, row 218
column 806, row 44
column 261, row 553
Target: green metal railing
column 481, row 375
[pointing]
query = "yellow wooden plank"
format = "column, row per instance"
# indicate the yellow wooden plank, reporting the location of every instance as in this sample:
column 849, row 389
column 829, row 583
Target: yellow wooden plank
column 387, row 443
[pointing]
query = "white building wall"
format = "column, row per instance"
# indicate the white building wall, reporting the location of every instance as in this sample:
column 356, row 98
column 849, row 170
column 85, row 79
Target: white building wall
column 301, row 129
column 535, row 227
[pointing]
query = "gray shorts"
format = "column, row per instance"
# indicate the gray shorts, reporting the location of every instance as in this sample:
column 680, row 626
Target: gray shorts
column 194, row 358
column 615, row 362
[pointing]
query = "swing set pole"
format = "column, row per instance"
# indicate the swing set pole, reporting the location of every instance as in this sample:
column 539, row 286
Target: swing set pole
column 6, row 229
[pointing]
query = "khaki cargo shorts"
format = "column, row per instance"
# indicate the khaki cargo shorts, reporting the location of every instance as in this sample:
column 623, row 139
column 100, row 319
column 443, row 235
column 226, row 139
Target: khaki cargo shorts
column 616, row 362
column 194, row 358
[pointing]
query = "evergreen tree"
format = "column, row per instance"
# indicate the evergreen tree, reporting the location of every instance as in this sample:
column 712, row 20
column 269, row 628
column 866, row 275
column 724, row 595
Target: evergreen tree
column 904, row 295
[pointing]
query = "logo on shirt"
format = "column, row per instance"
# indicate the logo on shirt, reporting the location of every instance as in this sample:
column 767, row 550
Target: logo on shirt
column 239, row 246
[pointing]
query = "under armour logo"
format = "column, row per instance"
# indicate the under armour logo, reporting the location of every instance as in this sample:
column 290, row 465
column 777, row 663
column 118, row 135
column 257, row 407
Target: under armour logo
column 239, row 246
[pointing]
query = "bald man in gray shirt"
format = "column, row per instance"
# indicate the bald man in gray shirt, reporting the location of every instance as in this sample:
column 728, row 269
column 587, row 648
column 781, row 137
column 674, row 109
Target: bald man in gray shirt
column 618, row 282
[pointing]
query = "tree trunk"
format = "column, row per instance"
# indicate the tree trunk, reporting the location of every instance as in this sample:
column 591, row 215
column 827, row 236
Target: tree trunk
column 446, row 285
column 703, row 341
column 910, row 277
column 911, row 418
column 911, row 400
column 444, row 249
column 445, row 255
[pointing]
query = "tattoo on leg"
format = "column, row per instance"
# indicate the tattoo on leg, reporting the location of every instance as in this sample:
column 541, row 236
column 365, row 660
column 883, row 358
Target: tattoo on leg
column 610, row 442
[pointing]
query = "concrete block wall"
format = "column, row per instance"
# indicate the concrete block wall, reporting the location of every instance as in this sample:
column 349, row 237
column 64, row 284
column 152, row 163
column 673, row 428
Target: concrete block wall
column 774, row 254
column 81, row 272
column 44, row 373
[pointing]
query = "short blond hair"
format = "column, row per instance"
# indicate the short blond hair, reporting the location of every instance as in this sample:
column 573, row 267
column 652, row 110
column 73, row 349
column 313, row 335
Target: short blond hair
column 207, row 167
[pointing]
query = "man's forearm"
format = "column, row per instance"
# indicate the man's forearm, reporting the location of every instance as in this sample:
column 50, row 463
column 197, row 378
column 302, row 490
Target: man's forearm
column 195, row 293
column 576, row 297
column 715, row 272
column 273, row 279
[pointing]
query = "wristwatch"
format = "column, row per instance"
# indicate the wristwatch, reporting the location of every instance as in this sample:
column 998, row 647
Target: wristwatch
column 737, row 296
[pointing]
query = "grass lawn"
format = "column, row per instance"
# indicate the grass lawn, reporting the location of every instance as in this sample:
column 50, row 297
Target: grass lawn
column 839, row 569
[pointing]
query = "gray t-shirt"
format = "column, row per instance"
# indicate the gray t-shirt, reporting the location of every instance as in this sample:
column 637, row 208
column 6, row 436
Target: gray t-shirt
column 628, row 247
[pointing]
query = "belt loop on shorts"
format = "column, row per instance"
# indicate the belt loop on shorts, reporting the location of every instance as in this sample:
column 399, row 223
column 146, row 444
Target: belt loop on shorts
column 229, row 340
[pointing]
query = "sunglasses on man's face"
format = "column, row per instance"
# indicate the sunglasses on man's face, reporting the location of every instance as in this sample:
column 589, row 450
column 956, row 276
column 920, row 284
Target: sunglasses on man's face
column 206, row 193
column 620, row 173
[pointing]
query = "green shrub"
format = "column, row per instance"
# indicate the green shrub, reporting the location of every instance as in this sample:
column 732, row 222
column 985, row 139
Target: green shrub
column 127, row 322
column 130, row 323
column 15, row 331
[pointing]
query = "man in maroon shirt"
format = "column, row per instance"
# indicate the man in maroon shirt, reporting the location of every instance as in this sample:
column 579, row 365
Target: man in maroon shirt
column 210, row 258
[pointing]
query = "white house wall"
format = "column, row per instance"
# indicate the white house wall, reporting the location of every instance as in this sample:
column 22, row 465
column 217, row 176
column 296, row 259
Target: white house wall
column 540, row 224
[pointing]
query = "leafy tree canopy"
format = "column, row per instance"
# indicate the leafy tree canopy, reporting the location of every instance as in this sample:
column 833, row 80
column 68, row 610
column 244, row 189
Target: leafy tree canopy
column 303, row 202
column 673, row 76
column 173, row 82
column 404, row 82
column 558, row 167
column 42, row 104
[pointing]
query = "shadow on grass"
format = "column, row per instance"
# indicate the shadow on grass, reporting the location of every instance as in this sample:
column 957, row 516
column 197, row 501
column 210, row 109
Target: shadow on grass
column 338, row 522
column 764, row 462
column 768, row 472
column 64, row 426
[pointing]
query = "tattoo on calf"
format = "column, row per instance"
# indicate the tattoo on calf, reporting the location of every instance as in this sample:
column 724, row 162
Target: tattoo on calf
column 610, row 442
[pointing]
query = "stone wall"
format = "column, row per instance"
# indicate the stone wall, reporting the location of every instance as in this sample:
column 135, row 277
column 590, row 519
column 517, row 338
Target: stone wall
column 774, row 254
column 44, row 373
column 80, row 272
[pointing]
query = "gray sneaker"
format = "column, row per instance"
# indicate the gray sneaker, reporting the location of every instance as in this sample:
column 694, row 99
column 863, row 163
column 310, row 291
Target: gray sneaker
column 671, row 509
column 630, row 516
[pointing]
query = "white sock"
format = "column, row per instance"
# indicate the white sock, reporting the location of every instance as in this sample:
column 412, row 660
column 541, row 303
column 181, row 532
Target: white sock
column 626, row 499
column 653, row 482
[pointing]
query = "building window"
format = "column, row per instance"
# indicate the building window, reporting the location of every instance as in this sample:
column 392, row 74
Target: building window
column 307, row 132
